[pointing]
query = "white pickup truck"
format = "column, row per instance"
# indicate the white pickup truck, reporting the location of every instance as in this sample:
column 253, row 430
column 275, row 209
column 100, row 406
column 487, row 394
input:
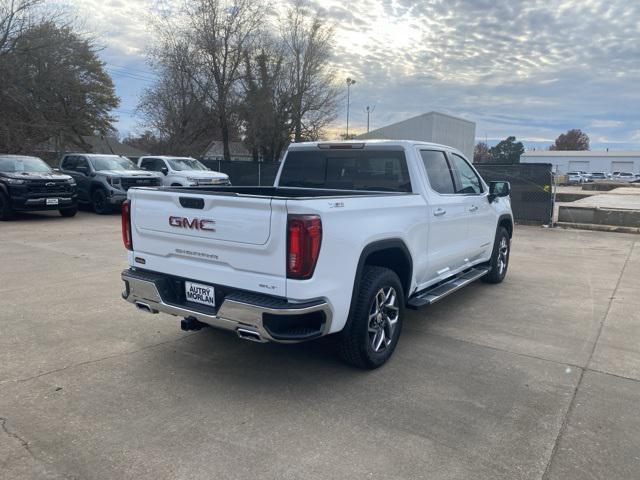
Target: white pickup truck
column 350, row 234
column 182, row 171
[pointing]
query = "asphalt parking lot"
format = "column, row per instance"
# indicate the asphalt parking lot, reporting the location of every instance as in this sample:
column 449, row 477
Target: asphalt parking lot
column 536, row 378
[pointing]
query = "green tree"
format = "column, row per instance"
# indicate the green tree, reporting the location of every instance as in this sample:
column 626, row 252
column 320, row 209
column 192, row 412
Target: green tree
column 265, row 111
column 507, row 151
column 574, row 139
column 54, row 88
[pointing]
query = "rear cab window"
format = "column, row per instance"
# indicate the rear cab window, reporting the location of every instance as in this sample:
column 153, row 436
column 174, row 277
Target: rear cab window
column 369, row 170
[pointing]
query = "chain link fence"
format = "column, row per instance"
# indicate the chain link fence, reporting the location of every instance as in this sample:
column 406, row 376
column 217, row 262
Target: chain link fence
column 531, row 189
column 246, row 173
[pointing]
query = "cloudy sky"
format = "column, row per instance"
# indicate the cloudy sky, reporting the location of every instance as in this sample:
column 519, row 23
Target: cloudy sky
column 529, row 68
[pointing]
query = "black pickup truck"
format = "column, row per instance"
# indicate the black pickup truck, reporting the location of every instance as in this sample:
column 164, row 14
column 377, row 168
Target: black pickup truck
column 29, row 184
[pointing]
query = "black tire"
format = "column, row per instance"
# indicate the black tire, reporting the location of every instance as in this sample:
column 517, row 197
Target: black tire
column 362, row 332
column 6, row 212
column 499, row 262
column 176, row 185
column 68, row 212
column 99, row 202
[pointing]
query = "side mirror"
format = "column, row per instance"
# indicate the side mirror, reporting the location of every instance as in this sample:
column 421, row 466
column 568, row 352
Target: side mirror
column 164, row 170
column 499, row 189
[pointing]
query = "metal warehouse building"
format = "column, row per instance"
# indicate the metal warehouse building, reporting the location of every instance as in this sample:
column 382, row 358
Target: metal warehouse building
column 585, row 161
column 431, row 127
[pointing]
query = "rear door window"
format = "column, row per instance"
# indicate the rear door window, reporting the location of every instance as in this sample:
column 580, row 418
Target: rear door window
column 438, row 171
column 368, row 170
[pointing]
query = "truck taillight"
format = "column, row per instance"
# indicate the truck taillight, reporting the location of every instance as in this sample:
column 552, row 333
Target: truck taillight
column 126, row 225
column 304, row 235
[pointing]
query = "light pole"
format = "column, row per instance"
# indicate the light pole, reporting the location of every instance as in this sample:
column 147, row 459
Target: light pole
column 370, row 110
column 350, row 82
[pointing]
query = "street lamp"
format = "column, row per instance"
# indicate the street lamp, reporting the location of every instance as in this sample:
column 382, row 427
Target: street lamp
column 370, row 110
column 349, row 83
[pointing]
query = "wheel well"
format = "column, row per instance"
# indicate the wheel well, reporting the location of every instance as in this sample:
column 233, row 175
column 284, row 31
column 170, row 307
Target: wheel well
column 508, row 224
column 93, row 188
column 393, row 258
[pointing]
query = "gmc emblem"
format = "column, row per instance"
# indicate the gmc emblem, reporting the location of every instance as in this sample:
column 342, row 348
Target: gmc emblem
column 192, row 223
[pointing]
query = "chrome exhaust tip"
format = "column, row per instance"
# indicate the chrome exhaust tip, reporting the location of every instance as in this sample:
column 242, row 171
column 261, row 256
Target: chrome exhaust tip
column 145, row 307
column 250, row 335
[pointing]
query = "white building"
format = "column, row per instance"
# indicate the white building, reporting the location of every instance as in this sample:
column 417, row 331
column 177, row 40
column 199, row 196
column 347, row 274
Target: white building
column 585, row 161
column 431, row 127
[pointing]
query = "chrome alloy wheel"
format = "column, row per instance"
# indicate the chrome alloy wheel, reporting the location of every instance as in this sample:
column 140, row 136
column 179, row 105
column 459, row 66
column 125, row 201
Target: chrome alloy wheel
column 503, row 252
column 383, row 318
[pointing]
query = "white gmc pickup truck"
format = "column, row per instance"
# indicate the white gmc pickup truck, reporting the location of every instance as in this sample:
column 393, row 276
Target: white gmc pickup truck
column 350, row 235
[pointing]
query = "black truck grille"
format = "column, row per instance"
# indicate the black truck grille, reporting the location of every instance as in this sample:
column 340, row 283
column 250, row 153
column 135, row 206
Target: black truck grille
column 49, row 187
column 127, row 183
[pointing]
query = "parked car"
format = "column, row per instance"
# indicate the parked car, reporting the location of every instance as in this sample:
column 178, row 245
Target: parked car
column 574, row 178
column 29, row 184
column 585, row 176
column 598, row 176
column 614, row 174
column 350, row 235
column 103, row 180
column 182, row 171
column 624, row 177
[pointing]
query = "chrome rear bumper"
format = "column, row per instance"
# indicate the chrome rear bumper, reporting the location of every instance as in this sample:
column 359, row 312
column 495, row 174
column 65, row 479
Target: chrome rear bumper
column 241, row 312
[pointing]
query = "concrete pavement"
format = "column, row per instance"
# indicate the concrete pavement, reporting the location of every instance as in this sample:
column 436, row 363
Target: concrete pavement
column 538, row 377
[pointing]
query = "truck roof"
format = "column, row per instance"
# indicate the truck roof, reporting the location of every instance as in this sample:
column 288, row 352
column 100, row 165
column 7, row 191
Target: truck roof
column 367, row 143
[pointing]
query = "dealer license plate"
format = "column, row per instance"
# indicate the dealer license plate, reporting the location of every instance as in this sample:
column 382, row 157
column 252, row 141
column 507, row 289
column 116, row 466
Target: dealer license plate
column 196, row 292
column 52, row 201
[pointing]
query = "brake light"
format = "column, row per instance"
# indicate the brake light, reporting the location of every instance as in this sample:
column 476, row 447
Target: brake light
column 304, row 235
column 126, row 225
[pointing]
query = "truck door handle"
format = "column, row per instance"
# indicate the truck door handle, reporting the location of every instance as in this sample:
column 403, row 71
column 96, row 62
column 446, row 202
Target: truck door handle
column 438, row 212
column 473, row 208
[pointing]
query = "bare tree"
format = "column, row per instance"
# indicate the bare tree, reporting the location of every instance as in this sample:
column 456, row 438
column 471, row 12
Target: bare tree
column 261, row 83
column 175, row 107
column 16, row 16
column 481, row 153
column 309, row 41
column 221, row 31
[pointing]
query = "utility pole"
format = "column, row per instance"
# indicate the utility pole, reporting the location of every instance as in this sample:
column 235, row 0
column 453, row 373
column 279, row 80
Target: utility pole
column 370, row 110
column 349, row 83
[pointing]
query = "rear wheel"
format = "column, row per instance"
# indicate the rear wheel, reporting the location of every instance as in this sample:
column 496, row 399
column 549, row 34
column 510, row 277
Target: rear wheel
column 6, row 212
column 371, row 334
column 99, row 202
column 500, row 258
column 68, row 212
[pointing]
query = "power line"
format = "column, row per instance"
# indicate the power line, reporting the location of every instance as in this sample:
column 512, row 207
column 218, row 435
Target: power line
column 130, row 76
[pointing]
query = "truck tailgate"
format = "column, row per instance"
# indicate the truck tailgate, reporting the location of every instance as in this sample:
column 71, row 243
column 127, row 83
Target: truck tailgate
column 218, row 239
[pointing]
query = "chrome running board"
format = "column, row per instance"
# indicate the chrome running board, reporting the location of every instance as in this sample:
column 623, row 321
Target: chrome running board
column 441, row 290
